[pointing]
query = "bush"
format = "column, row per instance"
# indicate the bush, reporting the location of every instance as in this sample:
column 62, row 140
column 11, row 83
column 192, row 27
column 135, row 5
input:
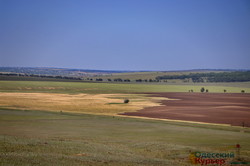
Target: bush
column 126, row 100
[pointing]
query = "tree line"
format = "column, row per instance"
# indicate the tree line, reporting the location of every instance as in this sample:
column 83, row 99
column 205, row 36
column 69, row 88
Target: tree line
column 39, row 76
column 124, row 80
column 76, row 78
column 237, row 76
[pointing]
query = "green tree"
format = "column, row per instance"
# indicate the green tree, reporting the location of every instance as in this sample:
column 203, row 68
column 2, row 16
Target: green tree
column 126, row 101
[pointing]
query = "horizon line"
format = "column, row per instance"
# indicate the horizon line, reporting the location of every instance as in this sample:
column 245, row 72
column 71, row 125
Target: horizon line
column 194, row 69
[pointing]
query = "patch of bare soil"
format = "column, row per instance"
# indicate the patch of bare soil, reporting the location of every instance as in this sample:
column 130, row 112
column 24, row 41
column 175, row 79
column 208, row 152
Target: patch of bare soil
column 222, row 108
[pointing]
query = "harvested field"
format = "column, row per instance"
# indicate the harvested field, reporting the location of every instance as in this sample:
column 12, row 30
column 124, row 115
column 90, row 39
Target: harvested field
column 105, row 104
column 228, row 108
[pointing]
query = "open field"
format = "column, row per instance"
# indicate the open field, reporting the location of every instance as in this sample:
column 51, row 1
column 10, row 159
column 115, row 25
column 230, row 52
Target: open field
column 93, row 98
column 39, row 138
column 107, row 104
column 224, row 108
column 101, row 88
column 45, row 122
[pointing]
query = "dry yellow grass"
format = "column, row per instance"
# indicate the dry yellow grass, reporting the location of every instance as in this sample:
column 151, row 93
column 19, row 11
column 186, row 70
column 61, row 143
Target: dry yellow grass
column 107, row 104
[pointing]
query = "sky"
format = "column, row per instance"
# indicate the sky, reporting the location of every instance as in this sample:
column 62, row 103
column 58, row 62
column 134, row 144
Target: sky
column 125, row 34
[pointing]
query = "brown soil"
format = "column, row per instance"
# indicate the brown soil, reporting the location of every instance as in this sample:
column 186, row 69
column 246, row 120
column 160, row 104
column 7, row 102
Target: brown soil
column 220, row 108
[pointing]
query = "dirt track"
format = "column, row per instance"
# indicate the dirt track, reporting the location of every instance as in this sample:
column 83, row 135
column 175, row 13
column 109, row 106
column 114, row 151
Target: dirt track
column 221, row 108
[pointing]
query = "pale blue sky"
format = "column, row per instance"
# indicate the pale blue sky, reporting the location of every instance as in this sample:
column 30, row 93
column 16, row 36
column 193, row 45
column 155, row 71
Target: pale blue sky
column 125, row 34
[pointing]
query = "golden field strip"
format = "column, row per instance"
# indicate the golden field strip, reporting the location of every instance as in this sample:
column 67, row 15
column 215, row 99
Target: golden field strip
column 106, row 104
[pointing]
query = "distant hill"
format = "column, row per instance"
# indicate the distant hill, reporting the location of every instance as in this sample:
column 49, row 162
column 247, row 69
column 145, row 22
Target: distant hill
column 64, row 74
column 56, row 71
column 83, row 72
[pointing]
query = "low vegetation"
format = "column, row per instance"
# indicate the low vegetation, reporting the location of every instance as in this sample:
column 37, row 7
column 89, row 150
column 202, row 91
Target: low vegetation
column 39, row 138
column 111, row 88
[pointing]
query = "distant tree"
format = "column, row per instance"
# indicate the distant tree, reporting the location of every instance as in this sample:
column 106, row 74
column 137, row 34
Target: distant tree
column 202, row 89
column 225, row 90
column 99, row 79
column 192, row 90
column 242, row 91
column 118, row 80
column 109, row 80
column 206, row 90
column 126, row 101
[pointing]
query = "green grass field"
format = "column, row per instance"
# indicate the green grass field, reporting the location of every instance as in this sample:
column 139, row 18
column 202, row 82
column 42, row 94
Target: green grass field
column 39, row 138
column 29, row 137
column 98, row 88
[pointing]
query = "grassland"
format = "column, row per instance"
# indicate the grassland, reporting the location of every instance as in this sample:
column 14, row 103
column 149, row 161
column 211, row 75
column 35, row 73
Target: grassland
column 110, row 88
column 32, row 137
column 39, row 138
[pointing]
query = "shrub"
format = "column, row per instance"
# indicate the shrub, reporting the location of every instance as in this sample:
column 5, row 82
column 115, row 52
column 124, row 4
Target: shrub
column 126, row 100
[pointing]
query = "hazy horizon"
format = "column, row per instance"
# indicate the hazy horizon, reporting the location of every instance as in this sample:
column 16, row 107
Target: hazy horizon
column 51, row 67
column 140, row 35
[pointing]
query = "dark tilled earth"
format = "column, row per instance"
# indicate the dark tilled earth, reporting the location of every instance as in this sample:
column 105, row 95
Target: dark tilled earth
column 223, row 108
